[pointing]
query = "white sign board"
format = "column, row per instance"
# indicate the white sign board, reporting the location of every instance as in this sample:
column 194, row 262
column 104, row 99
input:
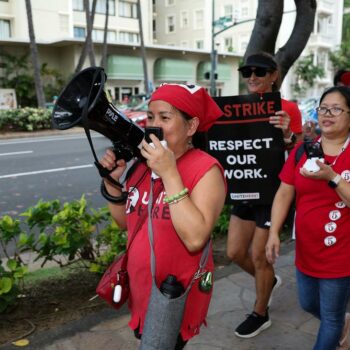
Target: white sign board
column 8, row 99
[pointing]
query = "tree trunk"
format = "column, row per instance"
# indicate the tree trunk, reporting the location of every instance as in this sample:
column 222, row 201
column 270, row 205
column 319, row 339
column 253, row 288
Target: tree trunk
column 267, row 25
column 35, row 57
column 89, row 26
column 143, row 50
column 87, row 42
column 105, row 35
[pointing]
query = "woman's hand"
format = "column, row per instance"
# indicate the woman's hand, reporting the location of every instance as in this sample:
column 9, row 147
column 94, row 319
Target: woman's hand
column 272, row 248
column 109, row 162
column 325, row 173
column 160, row 159
column 281, row 120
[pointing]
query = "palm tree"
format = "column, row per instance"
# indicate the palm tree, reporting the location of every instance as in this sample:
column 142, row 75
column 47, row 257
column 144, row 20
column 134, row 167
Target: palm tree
column 88, row 45
column 143, row 50
column 35, row 57
column 105, row 35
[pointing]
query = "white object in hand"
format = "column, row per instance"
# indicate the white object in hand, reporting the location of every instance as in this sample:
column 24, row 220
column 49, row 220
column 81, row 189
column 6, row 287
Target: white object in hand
column 164, row 144
column 117, row 294
column 311, row 165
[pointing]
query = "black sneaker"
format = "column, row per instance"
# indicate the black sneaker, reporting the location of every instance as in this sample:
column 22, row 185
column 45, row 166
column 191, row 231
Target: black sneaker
column 253, row 325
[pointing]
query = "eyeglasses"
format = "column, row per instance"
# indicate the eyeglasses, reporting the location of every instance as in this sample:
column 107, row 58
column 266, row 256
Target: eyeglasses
column 334, row 111
column 258, row 71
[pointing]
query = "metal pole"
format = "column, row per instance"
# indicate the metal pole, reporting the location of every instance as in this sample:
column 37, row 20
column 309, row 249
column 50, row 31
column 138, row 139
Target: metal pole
column 213, row 54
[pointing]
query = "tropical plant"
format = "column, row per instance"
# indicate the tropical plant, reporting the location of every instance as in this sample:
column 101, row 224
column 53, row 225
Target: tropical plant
column 25, row 119
column 18, row 75
column 306, row 73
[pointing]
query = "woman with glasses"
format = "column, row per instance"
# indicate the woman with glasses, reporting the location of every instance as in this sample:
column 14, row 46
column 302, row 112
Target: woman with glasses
column 322, row 222
column 249, row 224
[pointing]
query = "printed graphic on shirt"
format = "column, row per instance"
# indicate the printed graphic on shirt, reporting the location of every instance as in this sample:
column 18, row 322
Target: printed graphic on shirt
column 138, row 204
column 346, row 175
column 329, row 241
column 335, row 215
column 132, row 200
column 330, row 227
column 340, row 205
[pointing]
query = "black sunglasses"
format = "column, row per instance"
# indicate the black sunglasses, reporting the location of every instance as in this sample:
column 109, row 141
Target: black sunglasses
column 258, row 71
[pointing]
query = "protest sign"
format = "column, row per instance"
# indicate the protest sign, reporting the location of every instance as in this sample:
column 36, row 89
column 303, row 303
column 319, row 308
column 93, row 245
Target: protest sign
column 250, row 149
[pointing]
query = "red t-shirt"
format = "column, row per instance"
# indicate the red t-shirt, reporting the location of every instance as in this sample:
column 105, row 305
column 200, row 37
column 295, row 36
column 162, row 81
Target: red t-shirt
column 295, row 115
column 320, row 215
column 172, row 257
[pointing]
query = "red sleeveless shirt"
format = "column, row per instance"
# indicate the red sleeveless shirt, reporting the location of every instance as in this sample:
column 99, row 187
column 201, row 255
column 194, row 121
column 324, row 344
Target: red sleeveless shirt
column 172, row 257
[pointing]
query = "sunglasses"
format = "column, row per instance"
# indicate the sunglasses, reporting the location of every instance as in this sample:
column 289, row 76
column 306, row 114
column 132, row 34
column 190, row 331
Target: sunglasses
column 258, row 71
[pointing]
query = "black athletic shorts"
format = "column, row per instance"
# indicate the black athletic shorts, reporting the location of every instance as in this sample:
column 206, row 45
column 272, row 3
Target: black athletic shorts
column 260, row 214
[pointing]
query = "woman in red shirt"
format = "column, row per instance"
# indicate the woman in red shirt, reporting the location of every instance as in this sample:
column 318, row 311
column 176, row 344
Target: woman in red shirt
column 181, row 227
column 322, row 221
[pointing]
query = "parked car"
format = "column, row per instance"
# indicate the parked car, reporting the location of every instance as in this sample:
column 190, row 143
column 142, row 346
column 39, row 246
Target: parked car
column 138, row 114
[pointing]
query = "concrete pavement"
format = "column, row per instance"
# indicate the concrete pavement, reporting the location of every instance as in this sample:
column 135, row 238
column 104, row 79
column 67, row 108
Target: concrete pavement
column 233, row 298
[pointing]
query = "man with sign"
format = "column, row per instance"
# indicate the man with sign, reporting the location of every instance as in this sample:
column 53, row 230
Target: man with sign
column 250, row 141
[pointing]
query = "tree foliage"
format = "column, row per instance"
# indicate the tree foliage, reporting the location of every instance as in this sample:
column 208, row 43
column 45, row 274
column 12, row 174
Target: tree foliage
column 306, row 72
column 340, row 58
column 18, row 75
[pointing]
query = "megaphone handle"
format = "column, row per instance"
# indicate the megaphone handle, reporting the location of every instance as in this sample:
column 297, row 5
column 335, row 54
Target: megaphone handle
column 105, row 174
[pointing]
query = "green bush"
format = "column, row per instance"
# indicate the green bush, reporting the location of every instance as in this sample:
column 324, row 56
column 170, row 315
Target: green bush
column 25, row 119
column 68, row 234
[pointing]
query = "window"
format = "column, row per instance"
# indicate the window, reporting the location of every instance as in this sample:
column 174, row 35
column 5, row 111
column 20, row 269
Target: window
column 5, row 31
column 228, row 44
column 101, row 7
column 78, row 5
column 79, row 32
column 128, row 37
column 127, row 9
column 184, row 19
column 244, row 12
column 228, row 10
column 198, row 19
column 98, row 34
column 170, row 3
column 170, row 24
column 199, row 44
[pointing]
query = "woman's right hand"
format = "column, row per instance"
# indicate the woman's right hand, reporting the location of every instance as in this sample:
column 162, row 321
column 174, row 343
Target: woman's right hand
column 110, row 162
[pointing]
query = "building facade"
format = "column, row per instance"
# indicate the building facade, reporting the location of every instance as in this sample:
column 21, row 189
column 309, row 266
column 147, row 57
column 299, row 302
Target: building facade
column 60, row 29
column 187, row 24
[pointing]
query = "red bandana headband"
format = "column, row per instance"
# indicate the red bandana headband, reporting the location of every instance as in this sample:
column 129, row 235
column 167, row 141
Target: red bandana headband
column 191, row 99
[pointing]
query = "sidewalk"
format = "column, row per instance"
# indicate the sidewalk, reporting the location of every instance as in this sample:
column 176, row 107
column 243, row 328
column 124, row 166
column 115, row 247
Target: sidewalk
column 233, row 297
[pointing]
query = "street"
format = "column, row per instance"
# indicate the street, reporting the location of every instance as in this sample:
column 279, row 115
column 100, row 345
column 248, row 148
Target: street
column 48, row 168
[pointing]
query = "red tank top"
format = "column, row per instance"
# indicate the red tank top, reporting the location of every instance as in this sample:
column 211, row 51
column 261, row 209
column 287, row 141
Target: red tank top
column 172, row 257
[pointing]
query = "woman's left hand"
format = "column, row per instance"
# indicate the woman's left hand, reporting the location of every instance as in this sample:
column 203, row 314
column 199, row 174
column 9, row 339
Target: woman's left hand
column 325, row 173
column 160, row 159
column 281, row 120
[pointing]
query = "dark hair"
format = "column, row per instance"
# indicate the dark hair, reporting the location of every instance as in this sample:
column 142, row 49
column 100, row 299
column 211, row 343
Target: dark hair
column 343, row 90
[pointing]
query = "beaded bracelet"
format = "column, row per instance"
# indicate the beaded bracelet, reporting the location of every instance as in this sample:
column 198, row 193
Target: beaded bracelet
column 176, row 197
column 178, row 200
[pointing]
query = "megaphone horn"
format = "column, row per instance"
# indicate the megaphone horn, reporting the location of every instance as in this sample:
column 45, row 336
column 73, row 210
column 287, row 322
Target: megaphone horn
column 83, row 102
